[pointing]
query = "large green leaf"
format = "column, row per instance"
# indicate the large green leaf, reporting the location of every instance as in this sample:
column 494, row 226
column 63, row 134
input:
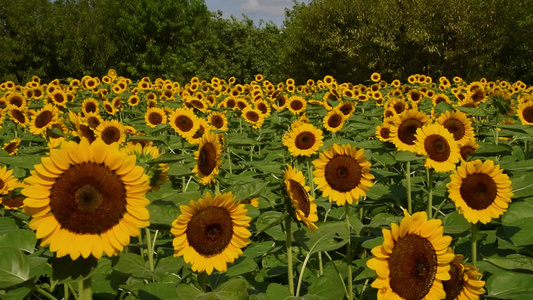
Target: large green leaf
column 67, row 270
column 134, row 264
column 510, row 285
column 512, row 262
column 329, row 236
column 14, row 267
column 518, row 223
column 268, row 220
column 159, row 290
column 455, row 223
column 21, row 239
column 163, row 214
column 522, row 185
column 241, row 266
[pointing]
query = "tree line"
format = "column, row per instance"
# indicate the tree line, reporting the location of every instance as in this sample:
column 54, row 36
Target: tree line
column 349, row 39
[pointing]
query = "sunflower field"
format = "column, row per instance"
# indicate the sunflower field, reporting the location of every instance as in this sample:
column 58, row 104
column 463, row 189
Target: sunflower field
column 213, row 189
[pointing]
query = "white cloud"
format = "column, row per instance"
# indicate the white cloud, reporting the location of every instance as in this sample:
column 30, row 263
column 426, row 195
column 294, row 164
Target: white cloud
column 271, row 7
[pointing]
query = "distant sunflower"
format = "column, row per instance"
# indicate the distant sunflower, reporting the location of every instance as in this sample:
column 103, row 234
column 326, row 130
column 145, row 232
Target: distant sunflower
column 346, row 108
column 218, row 120
column 525, row 112
column 375, row 77
column 208, row 158
column 90, row 105
column 334, row 120
column 12, row 147
column 302, row 202
column 438, row 144
column 111, row 131
column 480, row 190
column 18, row 115
column 7, row 181
column 93, row 120
column 303, row 140
column 468, row 148
column 87, row 199
column 404, row 129
column 438, row 98
column 211, row 232
column 413, row 260
column 296, row 104
column 16, row 99
column 58, row 98
column 134, row 100
column 109, row 108
column 155, row 116
column 253, row 116
column 465, row 282
column 184, row 122
column 458, row 124
column 44, row 119
column 383, row 132
column 342, row 173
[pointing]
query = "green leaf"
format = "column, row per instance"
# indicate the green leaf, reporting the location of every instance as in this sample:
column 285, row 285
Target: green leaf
column 21, row 239
column 134, row 264
column 474, row 111
column 522, row 185
column 188, row 291
column 407, row 156
column 159, row 290
column 14, row 267
column 384, row 219
column 523, row 165
column 512, row 262
column 518, row 223
column 259, row 249
column 329, row 236
column 67, row 270
column 162, row 214
column 268, row 220
column 276, row 291
column 168, row 265
column 486, row 149
column 455, row 223
column 510, row 285
column 241, row 266
column 442, row 107
column 7, row 225
column 233, row 289
column 25, row 162
column 328, row 285
column 105, row 281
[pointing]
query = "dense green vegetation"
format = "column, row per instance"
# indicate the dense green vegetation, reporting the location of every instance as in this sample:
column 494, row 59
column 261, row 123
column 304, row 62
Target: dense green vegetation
column 179, row 39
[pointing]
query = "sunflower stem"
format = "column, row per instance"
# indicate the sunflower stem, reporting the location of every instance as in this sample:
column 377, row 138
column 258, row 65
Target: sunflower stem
column 229, row 160
column 430, row 191
column 526, row 148
column 349, row 253
column 310, row 178
column 438, row 208
column 408, row 183
column 202, row 280
column 65, row 288
column 289, row 254
column 150, row 251
column 338, row 273
column 85, row 288
column 43, row 292
column 496, row 135
column 473, row 243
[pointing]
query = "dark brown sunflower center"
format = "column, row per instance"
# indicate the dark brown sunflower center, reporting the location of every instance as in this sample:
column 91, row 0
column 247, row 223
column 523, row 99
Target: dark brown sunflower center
column 184, row 123
column 437, row 147
column 230, row 103
column 155, row 118
column 43, row 119
column 19, row 116
column 343, row 173
column 407, row 130
column 385, row 132
column 110, row 135
column 93, row 122
column 134, row 100
column 262, row 107
column 14, row 202
column 16, row 100
column 210, row 231
column 389, row 114
column 90, row 107
column 10, row 148
column 416, row 97
column 88, row 198
column 454, row 286
column 2, row 184
column 413, row 266
column 439, row 100
column 217, row 121
column 399, row 107
column 282, row 100
column 300, row 194
column 466, row 151
column 527, row 114
column 252, row 116
column 59, row 98
column 297, row 105
column 305, row 140
column 346, row 109
column 478, row 190
column 335, row 121
column 456, row 127
column 207, row 159
column 108, row 108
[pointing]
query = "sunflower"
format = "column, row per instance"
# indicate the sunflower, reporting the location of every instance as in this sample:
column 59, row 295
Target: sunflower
column 525, row 112
column 90, row 105
column 302, row 202
column 480, row 190
column 155, row 116
column 184, row 122
column 208, row 158
column 413, row 260
column 58, row 98
column 404, row 129
column 18, row 115
column 87, row 199
column 211, row 232
column 109, row 107
column 253, row 116
column 334, row 120
column 134, row 100
column 16, row 99
column 438, row 144
column 12, row 146
column 468, row 148
column 346, row 108
column 383, row 132
column 7, row 181
column 44, row 119
column 458, row 124
column 375, row 77
column 93, row 120
column 146, row 153
column 342, row 173
column 218, row 120
column 303, row 140
column 110, row 132
column 465, row 283
column 296, row 104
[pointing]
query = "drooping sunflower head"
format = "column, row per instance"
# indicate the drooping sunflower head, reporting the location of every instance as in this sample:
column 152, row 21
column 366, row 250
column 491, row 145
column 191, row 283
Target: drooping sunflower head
column 302, row 202
column 211, row 232
column 18, row 115
column 7, row 181
column 342, row 173
column 458, row 124
column 404, row 129
column 208, row 158
column 480, row 190
column 413, row 260
column 12, row 146
column 464, row 283
column 87, row 199
column 146, row 153
column 303, row 140
column 438, row 144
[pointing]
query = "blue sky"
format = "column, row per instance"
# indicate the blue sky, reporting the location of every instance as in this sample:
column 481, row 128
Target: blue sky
column 254, row 9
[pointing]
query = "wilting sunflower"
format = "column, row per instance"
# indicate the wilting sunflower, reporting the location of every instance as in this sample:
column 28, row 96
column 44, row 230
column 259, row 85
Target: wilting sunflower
column 413, row 260
column 301, row 201
column 404, row 129
column 208, row 158
column 480, row 190
column 465, row 283
column 525, row 112
column 155, row 116
column 90, row 105
column 218, row 120
column 342, row 173
column 468, row 148
column 303, row 140
column 458, row 124
column 110, row 132
column 211, row 232
column 44, row 119
column 296, row 104
column 334, row 120
column 438, row 144
column 184, row 122
column 12, row 147
column 87, row 199
column 253, row 116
